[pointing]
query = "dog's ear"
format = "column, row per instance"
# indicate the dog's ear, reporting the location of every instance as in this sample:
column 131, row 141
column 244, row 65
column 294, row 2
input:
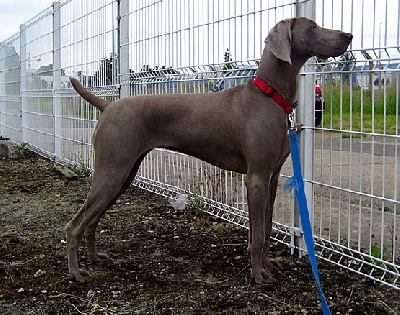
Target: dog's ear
column 279, row 40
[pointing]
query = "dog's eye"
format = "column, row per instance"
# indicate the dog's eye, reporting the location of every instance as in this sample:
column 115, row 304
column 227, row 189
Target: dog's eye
column 312, row 27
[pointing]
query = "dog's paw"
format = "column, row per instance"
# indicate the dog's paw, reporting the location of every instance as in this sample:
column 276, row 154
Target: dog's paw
column 100, row 259
column 273, row 265
column 262, row 277
column 80, row 276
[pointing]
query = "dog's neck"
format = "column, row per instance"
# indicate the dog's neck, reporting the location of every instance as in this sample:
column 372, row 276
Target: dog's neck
column 281, row 75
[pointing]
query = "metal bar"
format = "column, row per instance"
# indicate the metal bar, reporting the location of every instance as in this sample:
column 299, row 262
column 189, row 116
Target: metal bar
column 57, row 72
column 304, row 115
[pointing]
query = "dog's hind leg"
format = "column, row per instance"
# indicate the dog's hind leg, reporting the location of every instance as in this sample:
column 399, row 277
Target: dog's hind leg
column 109, row 182
column 90, row 231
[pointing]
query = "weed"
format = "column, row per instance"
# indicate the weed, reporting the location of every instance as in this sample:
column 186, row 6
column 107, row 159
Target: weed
column 24, row 146
column 195, row 202
column 80, row 168
column 22, row 151
column 376, row 252
column 387, row 209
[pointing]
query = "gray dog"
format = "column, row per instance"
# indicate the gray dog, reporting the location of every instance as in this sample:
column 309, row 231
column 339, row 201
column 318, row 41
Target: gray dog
column 241, row 129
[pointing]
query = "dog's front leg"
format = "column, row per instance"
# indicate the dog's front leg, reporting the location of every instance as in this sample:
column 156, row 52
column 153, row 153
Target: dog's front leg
column 270, row 264
column 258, row 189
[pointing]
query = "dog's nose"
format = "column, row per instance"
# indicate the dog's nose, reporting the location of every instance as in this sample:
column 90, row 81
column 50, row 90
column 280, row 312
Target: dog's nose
column 349, row 37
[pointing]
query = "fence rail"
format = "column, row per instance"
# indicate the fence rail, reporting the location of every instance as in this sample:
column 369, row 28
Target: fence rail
column 126, row 47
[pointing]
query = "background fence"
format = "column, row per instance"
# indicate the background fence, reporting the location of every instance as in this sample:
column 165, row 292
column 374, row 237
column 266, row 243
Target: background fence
column 123, row 48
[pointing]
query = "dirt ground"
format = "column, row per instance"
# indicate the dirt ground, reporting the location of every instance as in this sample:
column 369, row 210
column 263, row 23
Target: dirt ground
column 166, row 261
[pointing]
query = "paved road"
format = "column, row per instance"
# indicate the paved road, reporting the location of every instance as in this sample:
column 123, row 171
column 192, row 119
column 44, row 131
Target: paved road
column 379, row 146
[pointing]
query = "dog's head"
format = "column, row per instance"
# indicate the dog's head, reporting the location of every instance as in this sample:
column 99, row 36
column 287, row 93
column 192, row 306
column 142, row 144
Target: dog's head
column 306, row 39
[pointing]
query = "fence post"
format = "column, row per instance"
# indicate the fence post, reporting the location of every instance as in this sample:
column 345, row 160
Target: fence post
column 305, row 116
column 24, row 84
column 123, row 47
column 3, row 49
column 57, row 105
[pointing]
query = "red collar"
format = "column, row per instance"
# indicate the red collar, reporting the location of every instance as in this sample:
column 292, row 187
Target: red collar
column 272, row 93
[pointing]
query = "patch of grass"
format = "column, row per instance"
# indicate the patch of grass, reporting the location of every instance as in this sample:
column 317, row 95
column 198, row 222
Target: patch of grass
column 350, row 108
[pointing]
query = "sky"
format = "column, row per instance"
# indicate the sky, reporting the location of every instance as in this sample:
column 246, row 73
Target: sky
column 374, row 23
column 13, row 13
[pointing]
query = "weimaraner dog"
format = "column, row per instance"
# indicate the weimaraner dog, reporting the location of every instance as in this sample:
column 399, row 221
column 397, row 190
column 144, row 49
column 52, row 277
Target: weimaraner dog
column 241, row 129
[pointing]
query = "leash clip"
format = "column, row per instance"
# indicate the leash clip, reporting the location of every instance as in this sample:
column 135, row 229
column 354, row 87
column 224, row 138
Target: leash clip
column 292, row 121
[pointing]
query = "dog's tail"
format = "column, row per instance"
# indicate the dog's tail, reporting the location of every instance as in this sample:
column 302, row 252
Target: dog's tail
column 98, row 102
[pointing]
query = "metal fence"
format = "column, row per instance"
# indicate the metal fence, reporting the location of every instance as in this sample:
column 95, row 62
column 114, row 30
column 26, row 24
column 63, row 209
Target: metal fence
column 123, row 48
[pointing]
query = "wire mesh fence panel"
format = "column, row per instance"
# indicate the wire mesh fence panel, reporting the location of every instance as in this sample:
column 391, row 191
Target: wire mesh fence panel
column 196, row 47
column 10, row 89
column 349, row 139
column 355, row 172
column 36, row 82
column 87, row 50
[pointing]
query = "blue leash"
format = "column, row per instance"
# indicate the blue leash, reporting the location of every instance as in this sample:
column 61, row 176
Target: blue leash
column 297, row 183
